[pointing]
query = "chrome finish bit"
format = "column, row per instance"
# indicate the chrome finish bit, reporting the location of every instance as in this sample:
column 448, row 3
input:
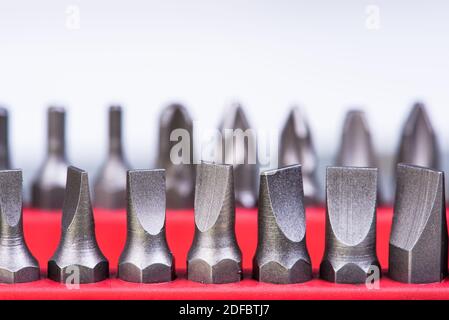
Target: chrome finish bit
column 5, row 162
column 110, row 185
column 419, row 145
column 240, row 150
column 296, row 147
column 49, row 185
column 146, row 257
column 214, row 256
column 180, row 176
column 78, row 256
column 350, row 250
column 17, row 264
column 282, row 255
column 418, row 242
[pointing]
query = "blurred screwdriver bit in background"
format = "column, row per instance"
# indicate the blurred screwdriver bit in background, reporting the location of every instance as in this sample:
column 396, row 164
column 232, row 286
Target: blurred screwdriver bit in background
column 5, row 162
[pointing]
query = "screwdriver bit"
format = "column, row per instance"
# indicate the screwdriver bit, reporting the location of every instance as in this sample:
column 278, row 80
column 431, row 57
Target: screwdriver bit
column 296, row 147
column 5, row 162
column 418, row 241
column 49, row 185
column 242, row 155
column 214, row 256
column 180, row 176
column 350, row 250
column 146, row 257
column 78, row 250
column 110, row 185
column 16, row 261
column 282, row 255
column 419, row 145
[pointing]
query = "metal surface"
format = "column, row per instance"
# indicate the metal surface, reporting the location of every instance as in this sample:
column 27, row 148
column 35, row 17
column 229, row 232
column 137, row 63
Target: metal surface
column 296, row 147
column 110, row 185
column 418, row 242
column 241, row 154
column 146, row 257
column 5, row 162
column 350, row 249
column 49, row 185
column 214, row 256
column 282, row 255
column 16, row 261
column 78, row 257
column 180, row 176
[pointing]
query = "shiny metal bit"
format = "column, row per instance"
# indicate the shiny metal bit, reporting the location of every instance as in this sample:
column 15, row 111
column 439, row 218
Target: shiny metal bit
column 419, row 145
column 180, row 176
column 5, row 162
column 214, row 256
column 350, row 250
column 418, row 241
column 110, row 185
column 78, row 257
column 282, row 255
column 17, row 264
column 241, row 154
column 49, row 185
column 146, row 257
column 296, row 147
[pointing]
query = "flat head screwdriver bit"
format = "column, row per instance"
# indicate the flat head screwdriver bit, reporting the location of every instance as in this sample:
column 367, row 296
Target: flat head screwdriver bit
column 49, row 185
column 110, row 185
column 78, row 257
column 419, row 144
column 146, row 257
column 240, row 151
column 350, row 246
column 281, row 255
column 418, row 241
column 214, row 256
column 5, row 162
column 180, row 173
column 296, row 147
column 17, row 264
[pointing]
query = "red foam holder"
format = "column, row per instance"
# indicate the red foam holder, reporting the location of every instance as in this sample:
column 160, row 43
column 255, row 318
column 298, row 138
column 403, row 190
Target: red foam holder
column 43, row 230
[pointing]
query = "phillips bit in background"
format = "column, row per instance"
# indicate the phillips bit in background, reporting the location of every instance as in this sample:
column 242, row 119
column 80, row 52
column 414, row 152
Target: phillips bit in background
column 110, row 185
column 282, row 255
column 49, row 185
column 350, row 250
column 16, row 261
column 214, row 256
column 5, row 162
column 146, row 257
column 296, row 147
column 419, row 145
column 242, row 154
column 78, row 256
column 418, row 242
column 180, row 177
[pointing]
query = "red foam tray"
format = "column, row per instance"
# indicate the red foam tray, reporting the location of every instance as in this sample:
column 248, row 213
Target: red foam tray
column 42, row 232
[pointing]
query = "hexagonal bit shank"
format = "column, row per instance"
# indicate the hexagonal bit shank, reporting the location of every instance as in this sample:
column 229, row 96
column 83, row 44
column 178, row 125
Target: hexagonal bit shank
column 16, row 261
column 282, row 255
column 214, row 256
column 418, row 241
column 49, row 185
column 5, row 162
column 146, row 257
column 350, row 250
column 78, row 256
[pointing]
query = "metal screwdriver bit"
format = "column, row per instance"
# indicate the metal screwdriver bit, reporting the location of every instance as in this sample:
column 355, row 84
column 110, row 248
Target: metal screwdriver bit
column 242, row 155
column 350, row 250
column 418, row 242
column 16, row 261
column 180, row 177
column 5, row 162
column 296, row 147
column 146, row 257
column 110, row 185
column 282, row 255
column 78, row 253
column 214, row 256
column 419, row 145
column 49, row 185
